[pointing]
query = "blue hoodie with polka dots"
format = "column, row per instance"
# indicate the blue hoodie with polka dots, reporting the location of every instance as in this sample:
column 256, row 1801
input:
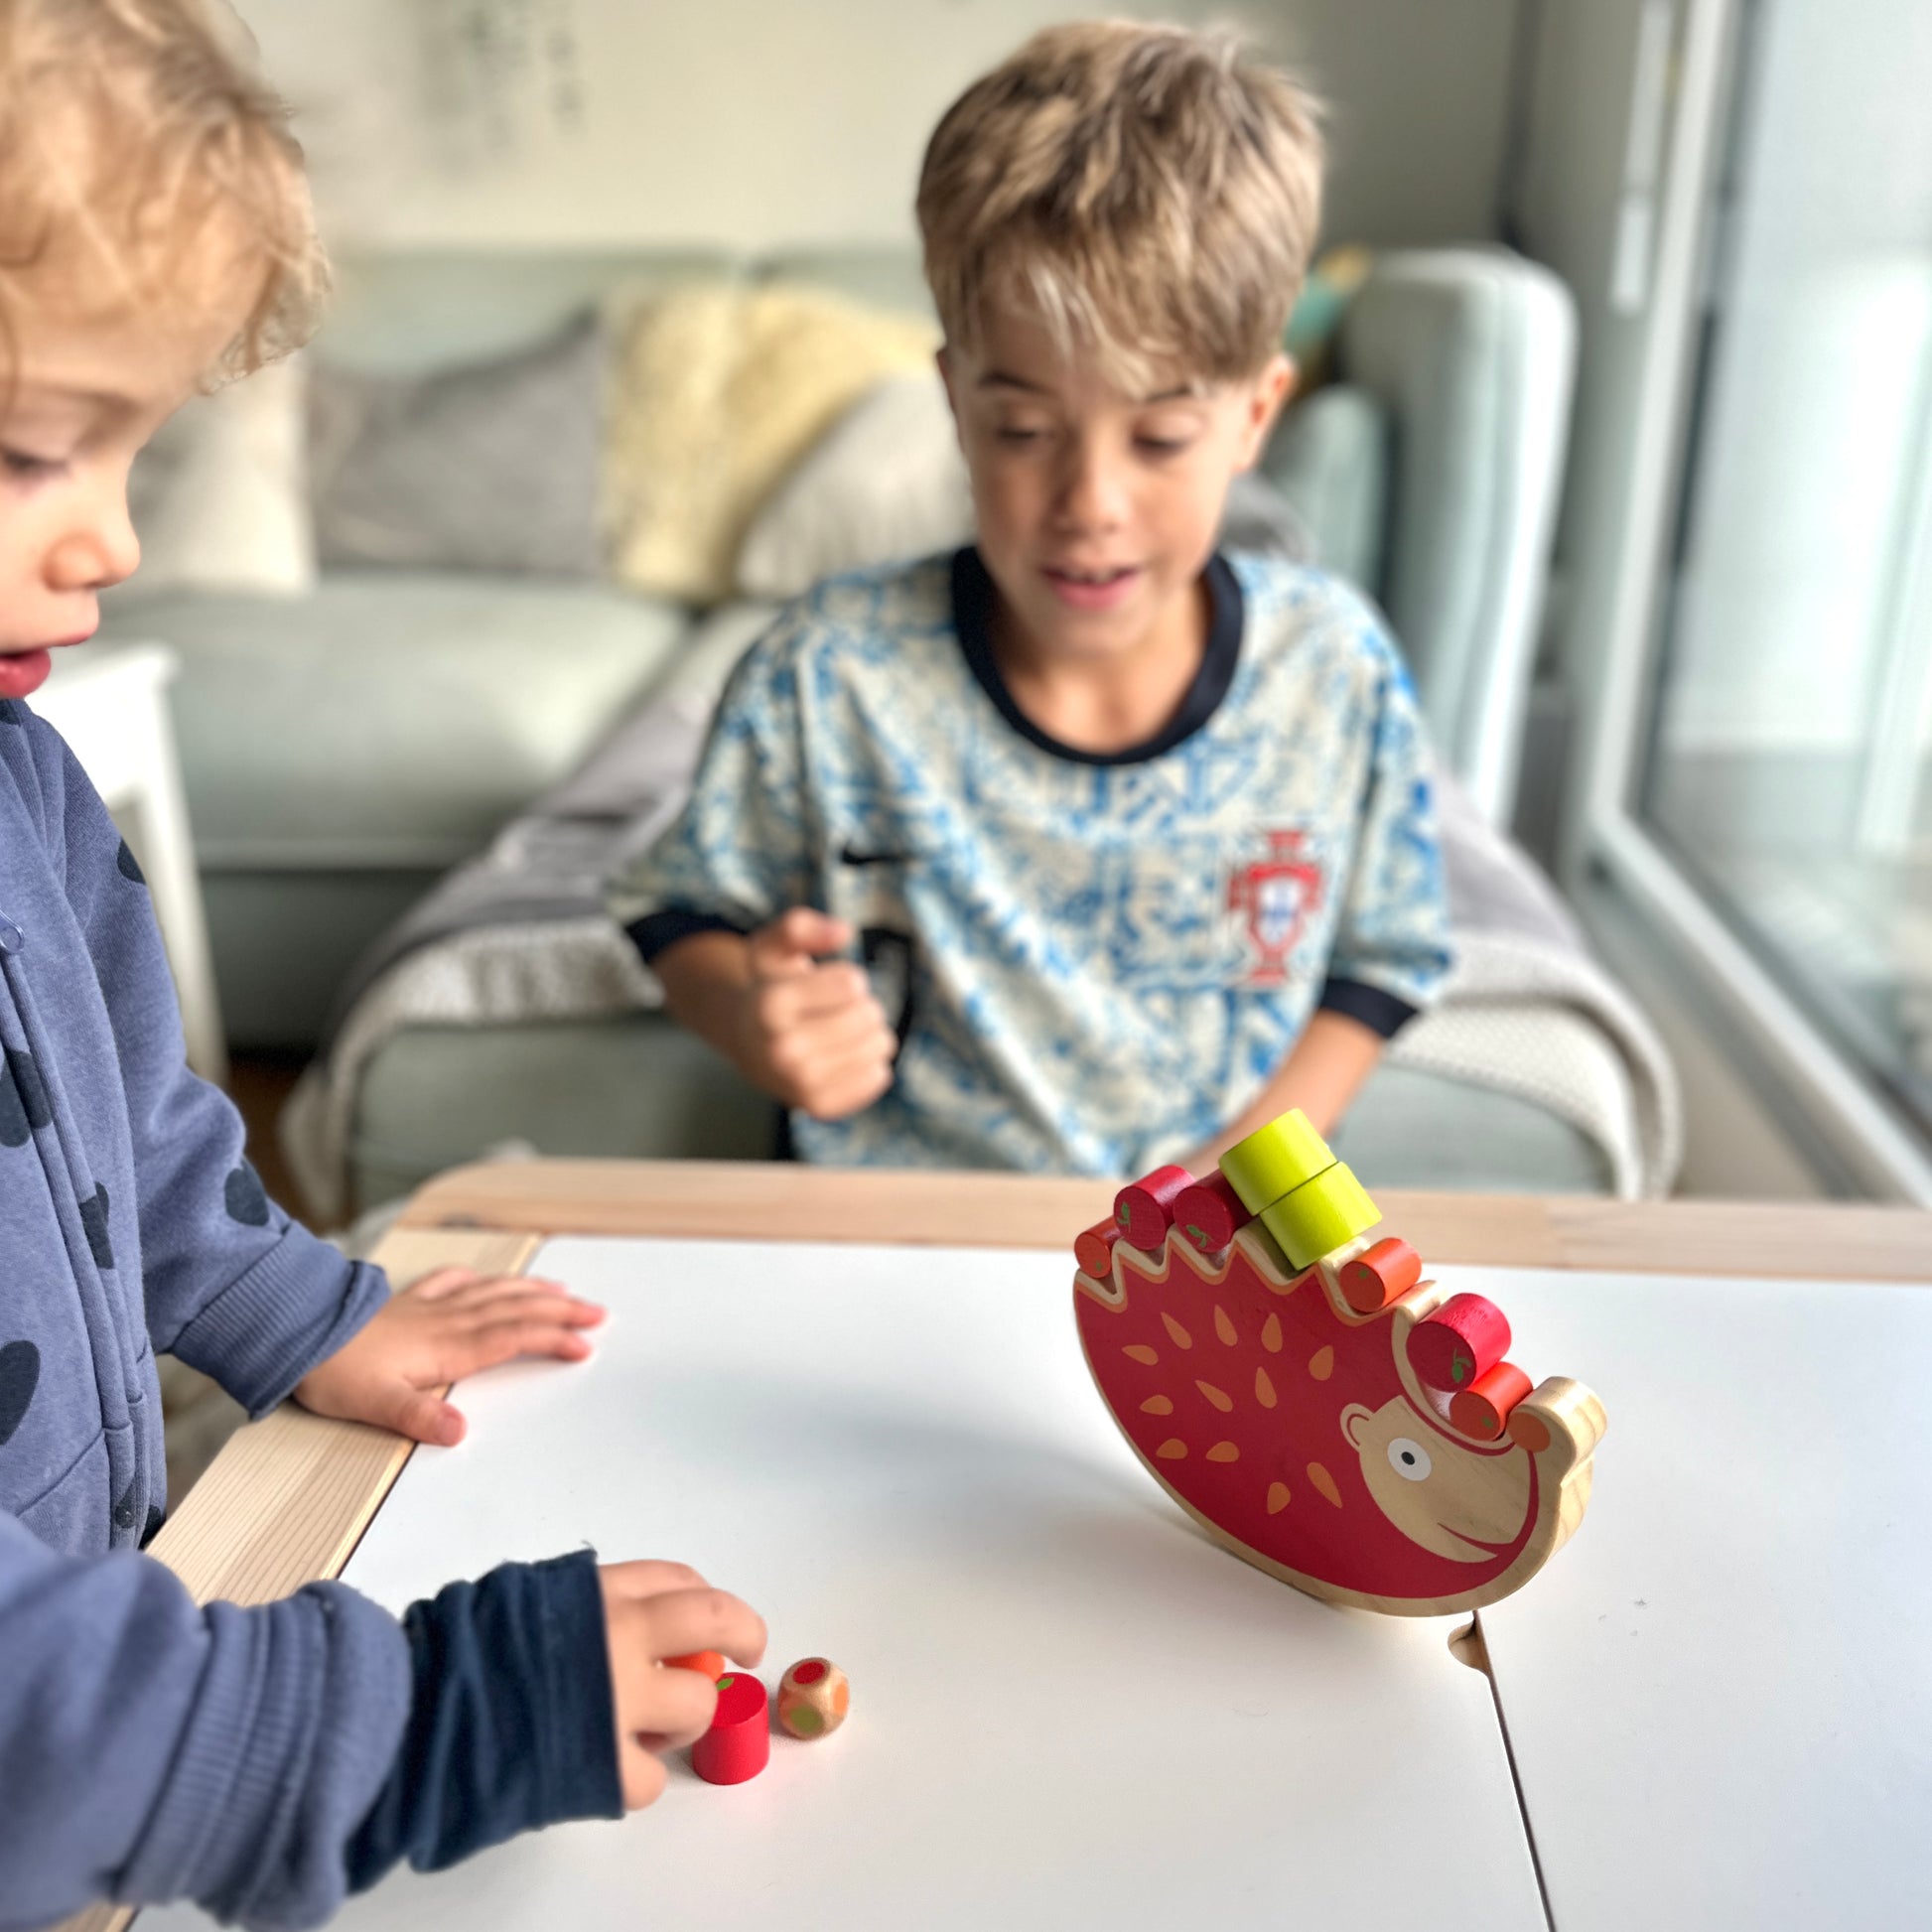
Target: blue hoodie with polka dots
column 145, row 1743
column 262, row 1761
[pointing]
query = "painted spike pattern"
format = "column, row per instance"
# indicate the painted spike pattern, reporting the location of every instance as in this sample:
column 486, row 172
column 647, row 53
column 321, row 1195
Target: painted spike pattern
column 1333, row 1418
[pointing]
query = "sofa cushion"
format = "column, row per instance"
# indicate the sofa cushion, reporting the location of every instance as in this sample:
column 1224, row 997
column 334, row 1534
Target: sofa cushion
column 486, row 465
column 1410, row 1126
column 285, row 942
column 638, row 1086
column 394, row 718
column 664, row 735
column 1330, row 459
column 887, row 483
column 219, row 496
column 1472, row 353
column 717, row 390
column 1259, row 519
column 635, row 1088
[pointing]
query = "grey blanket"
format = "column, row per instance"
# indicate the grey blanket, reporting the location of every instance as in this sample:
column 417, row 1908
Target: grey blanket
column 519, row 935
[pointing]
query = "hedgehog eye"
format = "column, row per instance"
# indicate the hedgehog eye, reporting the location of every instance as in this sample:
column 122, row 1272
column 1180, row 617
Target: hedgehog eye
column 1410, row 1461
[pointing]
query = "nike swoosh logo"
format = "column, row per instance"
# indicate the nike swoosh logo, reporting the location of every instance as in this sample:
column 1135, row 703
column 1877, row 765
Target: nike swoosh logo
column 850, row 854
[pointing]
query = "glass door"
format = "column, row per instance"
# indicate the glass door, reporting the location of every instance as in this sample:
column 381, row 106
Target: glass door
column 1785, row 758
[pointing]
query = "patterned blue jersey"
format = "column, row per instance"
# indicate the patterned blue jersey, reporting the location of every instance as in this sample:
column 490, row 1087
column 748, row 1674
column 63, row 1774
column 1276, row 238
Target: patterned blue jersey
column 1095, row 961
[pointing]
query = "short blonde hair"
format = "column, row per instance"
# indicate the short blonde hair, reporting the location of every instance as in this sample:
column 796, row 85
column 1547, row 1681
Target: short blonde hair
column 1150, row 193
column 133, row 135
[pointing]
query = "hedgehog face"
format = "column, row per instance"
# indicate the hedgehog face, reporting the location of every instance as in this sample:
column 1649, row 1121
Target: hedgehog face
column 1454, row 1501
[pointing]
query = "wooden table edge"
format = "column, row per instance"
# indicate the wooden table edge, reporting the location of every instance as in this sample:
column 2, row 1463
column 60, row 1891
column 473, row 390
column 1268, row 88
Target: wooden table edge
column 288, row 1499
column 777, row 1201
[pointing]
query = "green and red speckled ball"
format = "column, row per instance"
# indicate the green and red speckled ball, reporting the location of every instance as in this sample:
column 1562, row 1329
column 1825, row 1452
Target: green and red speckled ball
column 813, row 1698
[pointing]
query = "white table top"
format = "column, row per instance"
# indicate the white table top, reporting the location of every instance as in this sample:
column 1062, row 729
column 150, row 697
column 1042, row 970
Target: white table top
column 1069, row 1707
column 1071, row 1711
column 1719, row 1694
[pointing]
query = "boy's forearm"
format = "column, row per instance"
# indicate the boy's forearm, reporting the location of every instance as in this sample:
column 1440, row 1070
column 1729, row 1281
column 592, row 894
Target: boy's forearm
column 704, row 978
column 1323, row 1073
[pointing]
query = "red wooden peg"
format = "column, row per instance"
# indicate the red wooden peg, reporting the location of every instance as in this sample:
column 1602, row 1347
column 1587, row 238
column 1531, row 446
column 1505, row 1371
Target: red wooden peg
column 1380, row 1275
column 1483, row 1408
column 1459, row 1343
column 1209, row 1213
column 738, row 1746
column 1093, row 1249
column 1144, row 1207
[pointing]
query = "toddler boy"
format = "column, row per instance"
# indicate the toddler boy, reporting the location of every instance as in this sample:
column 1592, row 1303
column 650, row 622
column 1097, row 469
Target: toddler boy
column 264, row 1760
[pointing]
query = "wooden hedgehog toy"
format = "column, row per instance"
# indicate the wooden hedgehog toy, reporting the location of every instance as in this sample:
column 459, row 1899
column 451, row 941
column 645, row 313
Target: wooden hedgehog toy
column 1298, row 1388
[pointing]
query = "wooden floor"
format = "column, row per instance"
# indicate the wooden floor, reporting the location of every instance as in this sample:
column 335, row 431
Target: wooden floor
column 259, row 1084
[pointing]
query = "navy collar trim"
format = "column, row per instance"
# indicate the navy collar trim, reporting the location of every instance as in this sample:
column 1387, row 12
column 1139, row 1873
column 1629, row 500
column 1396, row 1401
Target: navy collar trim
column 973, row 606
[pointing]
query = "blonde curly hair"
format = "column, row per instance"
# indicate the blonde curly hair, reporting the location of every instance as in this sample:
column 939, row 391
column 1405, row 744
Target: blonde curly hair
column 1148, row 193
column 135, row 136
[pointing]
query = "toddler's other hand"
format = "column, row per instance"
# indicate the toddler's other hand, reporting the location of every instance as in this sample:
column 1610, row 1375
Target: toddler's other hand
column 655, row 1610
column 451, row 1323
column 811, row 1031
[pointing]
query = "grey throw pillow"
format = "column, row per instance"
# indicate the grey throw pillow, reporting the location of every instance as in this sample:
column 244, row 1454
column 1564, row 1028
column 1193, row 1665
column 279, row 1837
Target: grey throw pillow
column 1260, row 519
column 886, row 484
column 489, row 466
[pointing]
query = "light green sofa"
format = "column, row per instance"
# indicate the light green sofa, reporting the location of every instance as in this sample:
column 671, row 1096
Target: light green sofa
column 341, row 751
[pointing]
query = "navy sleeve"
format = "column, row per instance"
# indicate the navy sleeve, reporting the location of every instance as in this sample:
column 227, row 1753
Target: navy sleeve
column 656, row 932
column 1381, row 1012
column 511, row 1724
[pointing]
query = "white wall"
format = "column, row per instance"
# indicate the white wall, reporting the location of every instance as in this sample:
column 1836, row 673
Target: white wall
column 761, row 123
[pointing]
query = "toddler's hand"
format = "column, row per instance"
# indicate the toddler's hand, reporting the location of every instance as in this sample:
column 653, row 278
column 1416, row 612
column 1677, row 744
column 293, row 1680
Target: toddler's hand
column 449, row 1324
column 655, row 1610
column 811, row 1031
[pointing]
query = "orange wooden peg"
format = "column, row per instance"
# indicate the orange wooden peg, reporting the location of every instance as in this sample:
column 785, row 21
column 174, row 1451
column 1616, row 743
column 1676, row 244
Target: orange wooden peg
column 1483, row 1408
column 708, row 1662
column 1093, row 1249
column 1380, row 1275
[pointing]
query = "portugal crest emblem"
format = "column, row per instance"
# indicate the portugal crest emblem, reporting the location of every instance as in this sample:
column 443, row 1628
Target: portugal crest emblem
column 1275, row 895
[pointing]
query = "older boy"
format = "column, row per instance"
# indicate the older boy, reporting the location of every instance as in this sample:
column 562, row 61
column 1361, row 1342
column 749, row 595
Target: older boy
column 1136, row 838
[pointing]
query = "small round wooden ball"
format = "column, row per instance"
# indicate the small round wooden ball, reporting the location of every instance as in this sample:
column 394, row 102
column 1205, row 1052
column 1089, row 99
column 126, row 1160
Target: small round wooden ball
column 813, row 1698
